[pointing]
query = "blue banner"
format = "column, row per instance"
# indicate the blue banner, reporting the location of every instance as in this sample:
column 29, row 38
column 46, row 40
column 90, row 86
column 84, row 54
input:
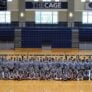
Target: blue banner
column 3, row 5
column 46, row 5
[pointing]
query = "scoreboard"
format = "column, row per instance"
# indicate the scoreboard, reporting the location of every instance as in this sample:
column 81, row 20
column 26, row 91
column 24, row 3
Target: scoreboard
column 3, row 5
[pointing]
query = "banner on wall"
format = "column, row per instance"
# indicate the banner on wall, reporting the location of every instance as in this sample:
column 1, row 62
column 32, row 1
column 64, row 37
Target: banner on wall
column 88, row 6
column 3, row 5
column 46, row 5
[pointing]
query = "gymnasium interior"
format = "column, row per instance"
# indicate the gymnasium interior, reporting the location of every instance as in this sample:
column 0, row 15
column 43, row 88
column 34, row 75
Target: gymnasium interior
column 45, row 45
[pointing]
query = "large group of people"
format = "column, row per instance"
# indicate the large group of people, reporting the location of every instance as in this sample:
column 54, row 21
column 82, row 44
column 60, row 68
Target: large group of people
column 45, row 68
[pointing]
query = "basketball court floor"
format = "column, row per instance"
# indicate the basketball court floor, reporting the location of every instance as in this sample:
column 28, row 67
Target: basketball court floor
column 46, row 52
column 45, row 86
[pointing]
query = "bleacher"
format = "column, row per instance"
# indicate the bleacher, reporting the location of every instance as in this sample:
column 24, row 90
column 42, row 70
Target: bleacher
column 35, row 35
column 58, row 37
column 12, row 25
column 6, row 34
column 81, row 25
column 85, row 34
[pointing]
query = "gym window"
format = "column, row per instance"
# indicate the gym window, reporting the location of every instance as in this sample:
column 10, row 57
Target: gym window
column 86, row 0
column 46, row 17
column 87, row 17
column 9, row 0
column 47, row 0
column 5, row 17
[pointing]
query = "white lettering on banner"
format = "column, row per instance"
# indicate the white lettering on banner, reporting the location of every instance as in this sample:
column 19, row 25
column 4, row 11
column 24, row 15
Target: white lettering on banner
column 52, row 5
column 46, row 5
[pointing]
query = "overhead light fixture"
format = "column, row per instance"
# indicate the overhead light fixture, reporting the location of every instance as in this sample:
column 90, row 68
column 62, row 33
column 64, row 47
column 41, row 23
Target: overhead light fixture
column 70, row 14
column 21, row 14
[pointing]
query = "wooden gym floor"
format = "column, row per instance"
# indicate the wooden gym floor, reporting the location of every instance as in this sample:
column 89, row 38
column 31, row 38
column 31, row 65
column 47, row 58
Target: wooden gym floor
column 45, row 86
column 47, row 52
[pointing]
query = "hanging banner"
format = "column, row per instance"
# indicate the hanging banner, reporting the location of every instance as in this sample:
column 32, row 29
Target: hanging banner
column 46, row 5
column 88, row 6
column 3, row 5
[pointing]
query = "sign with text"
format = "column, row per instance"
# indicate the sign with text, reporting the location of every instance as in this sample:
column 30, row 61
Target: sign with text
column 46, row 5
column 3, row 5
column 88, row 6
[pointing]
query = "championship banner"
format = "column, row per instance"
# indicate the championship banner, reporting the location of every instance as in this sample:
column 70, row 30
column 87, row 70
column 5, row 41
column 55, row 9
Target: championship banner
column 3, row 5
column 46, row 5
